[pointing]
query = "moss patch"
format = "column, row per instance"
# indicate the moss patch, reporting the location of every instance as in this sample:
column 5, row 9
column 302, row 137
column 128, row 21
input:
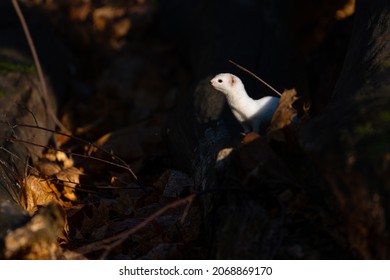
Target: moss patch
column 6, row 67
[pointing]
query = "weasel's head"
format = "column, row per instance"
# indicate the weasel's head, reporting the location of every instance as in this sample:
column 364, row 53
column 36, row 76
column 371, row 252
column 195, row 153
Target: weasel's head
column 226, row 83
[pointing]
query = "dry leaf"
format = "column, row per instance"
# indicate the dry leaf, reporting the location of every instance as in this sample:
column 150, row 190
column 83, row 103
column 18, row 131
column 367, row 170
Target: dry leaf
column 50, row 155
column 63, row 157
column 57, row 157
column 70, row 178
column 121, row 27
column 79, row 10
column 283, row 116
column 39, row 192
column 105, row 15
column 47, row 168
column 223, row 158
column 346, row 11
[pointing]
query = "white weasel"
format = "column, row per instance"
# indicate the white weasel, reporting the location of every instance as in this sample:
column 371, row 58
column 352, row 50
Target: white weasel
column 253, row 115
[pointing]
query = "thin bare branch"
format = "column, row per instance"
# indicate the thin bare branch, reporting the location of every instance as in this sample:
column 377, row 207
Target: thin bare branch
column 254, row 75
column 122, row 164
column 110, row 243
column 37, row 63
column 70, row 153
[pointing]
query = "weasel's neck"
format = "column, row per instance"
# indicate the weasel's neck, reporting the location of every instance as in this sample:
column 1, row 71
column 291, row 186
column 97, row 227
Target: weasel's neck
column 239, row 99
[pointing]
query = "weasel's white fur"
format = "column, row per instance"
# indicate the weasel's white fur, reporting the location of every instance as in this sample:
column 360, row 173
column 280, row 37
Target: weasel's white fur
column 253, row 115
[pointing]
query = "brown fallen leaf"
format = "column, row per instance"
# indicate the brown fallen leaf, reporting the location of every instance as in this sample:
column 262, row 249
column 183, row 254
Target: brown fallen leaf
column 79, row 10
column 283, row 116
column 70, row 178
column 346, row 11
column 58, row 157
column 121, row 27
column 47, row 168
column 54, row 164
column 103, row 16
column 39, row 192
column 64, row 159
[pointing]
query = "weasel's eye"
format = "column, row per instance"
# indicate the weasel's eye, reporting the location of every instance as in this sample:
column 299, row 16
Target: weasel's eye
column 220, row 81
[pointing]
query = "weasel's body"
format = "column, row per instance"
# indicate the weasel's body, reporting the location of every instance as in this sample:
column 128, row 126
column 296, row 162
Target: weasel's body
column 253, row 115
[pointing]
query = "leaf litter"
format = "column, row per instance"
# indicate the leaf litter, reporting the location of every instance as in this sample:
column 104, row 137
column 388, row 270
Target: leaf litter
column 91, row 187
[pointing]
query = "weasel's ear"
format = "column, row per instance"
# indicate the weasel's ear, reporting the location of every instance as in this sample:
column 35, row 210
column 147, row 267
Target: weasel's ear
column 233, row 80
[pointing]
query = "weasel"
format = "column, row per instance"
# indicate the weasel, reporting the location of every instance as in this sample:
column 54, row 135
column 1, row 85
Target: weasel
column 253, row 115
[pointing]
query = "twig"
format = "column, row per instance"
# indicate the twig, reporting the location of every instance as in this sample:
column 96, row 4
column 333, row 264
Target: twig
column 258, row 78
column 185, row 213
column 110, row 243
column 13, row 176
column 71, row 153
column 29, row 111
column 37, row 63
column 56, row 180
column 122, row 164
